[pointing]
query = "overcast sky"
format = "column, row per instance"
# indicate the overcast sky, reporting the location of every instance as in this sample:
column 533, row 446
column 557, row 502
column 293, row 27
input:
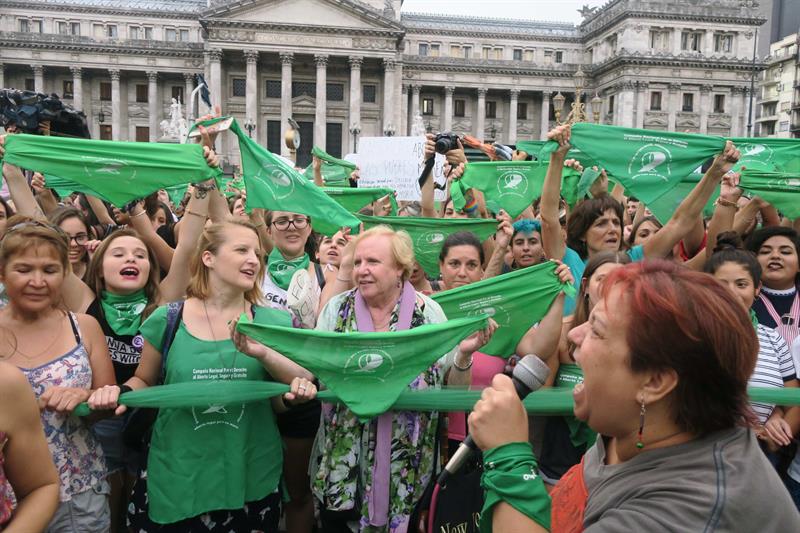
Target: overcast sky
column 550, row 10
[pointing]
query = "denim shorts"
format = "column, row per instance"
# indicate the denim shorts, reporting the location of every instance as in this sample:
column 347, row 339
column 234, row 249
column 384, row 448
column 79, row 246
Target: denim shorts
column 87, row 511
column 118, row 456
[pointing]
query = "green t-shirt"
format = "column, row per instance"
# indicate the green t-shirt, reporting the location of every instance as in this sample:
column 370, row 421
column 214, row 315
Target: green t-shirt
column 220, row 457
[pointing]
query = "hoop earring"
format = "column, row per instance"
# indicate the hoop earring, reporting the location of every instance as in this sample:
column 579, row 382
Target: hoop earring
column 639, row 443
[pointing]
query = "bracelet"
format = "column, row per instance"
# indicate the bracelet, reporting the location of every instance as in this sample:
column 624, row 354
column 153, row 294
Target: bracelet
column 124, row 388
column 465, row 368
column 726, row 203
column 140, row 213
column 190, row 212
column 200, row 190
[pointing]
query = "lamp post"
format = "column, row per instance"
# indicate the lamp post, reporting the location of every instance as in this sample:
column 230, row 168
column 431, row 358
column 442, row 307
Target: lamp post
column 493, row 131
column 558, row 106
column 355, row 129
column 389, row 131
column 577, row 111
column 428, row 127
column 249, row 125
column 597, row 102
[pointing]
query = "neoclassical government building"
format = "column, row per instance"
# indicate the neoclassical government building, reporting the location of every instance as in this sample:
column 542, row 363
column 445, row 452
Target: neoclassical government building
column 344, row 69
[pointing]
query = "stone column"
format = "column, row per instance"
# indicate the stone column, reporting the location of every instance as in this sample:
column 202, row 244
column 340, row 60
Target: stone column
column 388, row 93
column 355, row 96
column 708, row 43
column 736, row 111
column 480, row 120
column 641, row 102
column 676, row 41
column 188, row 79
column 38, row 78
column 215, row 75
column 320, row 115
column 511, row 137
column 705, row 106
column 153, row 106
column 544, row 127
column 116, row 106
column 2, row 75
column 447, row 119
column 251, row 89
column 77, row 88
column 744, row 105
column 626, row 104
column 405, row 129
column 397, row 88
column 674, row 104
column 415, row 109
column 286, row 97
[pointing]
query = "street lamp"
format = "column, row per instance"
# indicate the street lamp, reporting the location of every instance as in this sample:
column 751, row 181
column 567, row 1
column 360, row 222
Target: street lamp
column 249, row 125
column 428, row 127
column 101, row 117
column 577, row 111
column 389, row 131
column 493, row 131
column 597, row 102
column 558, row 106
column 355, row 129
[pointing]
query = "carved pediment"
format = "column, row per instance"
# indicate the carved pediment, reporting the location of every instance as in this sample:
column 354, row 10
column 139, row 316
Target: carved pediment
column 344, row 14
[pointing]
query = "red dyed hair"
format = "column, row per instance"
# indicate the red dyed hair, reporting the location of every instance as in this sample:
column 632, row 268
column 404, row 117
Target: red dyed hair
column 688, row 322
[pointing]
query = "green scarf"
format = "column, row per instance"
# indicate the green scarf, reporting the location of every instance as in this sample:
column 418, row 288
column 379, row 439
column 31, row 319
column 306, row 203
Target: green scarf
column 123, row 312
column 516, row 301
column 281, row 270
column 781, row 189
column 773, row 155
column 335, row 172
column 118, row 172
column 664, row 207
column 586, row 181
column 645, row 162
column 428, row 234
column 508, row 185
column 272, row 183
column 580, row 434
column 353, row 199
column 367, row 371
column 753, row 319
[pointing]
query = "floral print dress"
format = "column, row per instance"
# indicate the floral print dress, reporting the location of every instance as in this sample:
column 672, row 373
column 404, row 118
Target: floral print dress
column 6, row 493
column 346, row 446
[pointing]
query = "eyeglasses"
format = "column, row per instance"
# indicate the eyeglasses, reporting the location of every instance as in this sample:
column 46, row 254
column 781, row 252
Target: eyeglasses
column 283, row 224
column 80, row 239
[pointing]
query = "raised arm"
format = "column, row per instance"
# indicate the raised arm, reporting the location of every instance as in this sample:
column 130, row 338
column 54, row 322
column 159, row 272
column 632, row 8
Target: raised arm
column 543, row 339
column 100, row 211
column 427, row 192
column 691, row 208
column 721, row 221
column 552, row 242
column 316, row 165
column 141, row 223
column 502, row 238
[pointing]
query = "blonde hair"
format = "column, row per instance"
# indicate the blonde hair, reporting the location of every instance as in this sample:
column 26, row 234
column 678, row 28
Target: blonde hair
column 211, row 240
column 24, row 233
column 401, row 246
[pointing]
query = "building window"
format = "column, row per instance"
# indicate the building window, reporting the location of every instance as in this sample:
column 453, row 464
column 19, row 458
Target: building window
column 30, row 26
column 333, row 138
column 611, row 41
column 141, row 94
column 659, row 40
column 655, row 101
column 611, row 104
column 239, row 87
column 105, row 132
column 98, row 30
column 467, row 52
column 528, row 55
column 783, row 126
column 455, row 50
column 548, row 56
column 517, row 54
column 111, row 31
column 498, row 53
column 559, row 58
column 723, row 43
column 487, row 52
column 134, row 32
column 434, row 50
column 691, row 41
column 68, row 89
column 273, row 88
column 184, row 35
column 522, row 111
column 719, row 103
column 459, row 107
column 62, row 27
column 688, row 102
column 30, row 84
column 177, row 93
column 491, row 109
column 427, row 106
column 171, row 34
column 105, row 90
column 423, row 49
column 304, row 88
column 148, row 33
column 334, row 92
column 142, row 134
column 368, row 94
column 274, row 136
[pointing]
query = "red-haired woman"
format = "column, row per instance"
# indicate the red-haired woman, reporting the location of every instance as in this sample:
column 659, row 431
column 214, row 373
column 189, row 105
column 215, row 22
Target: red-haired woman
column 677, row 452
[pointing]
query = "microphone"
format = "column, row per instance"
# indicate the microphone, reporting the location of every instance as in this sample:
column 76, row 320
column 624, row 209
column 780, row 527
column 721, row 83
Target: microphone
column 530, row 373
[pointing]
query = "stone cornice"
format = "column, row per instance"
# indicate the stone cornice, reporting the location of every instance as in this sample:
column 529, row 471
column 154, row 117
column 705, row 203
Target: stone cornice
column 68, row 43
column 671, row 61
column 485, row 66
column 475, row 33
column 722, row 20
column 60, row 7
column 211, row 24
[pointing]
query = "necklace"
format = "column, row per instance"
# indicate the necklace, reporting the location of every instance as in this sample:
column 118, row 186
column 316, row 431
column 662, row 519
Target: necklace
column 39, row 353
column 216, row 345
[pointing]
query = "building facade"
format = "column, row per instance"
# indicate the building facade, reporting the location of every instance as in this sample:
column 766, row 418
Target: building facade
column 778, row 87
column 349, row 68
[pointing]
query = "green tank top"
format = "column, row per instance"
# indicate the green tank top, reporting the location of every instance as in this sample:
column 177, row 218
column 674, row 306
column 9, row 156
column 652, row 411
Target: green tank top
column 217, row 456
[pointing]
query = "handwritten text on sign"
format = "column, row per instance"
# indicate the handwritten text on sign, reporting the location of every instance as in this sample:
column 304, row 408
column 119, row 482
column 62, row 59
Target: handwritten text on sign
column 396, row 163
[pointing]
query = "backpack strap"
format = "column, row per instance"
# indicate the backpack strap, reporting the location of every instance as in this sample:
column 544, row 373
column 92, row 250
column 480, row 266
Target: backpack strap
column 174, row 315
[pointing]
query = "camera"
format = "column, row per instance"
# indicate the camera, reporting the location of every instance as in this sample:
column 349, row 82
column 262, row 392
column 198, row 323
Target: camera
column 27, row 109
column 446, row 142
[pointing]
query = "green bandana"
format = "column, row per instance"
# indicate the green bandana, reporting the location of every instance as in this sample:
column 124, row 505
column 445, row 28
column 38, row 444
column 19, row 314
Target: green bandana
column 353, row 199
column 516, row 301
column 508, row 185
column 176, row 194
column 510, row 476
column 774, row 155
column 781, row 189
column 753, row 319
column 272, row 183
column 645, row 162
column 335, row 172
column 664, row 207
column 588, row 178
column 580, row 434
column 118, row 172
column 367, row 371
column 428, row 234
column 123, row 313
column 281, row 270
